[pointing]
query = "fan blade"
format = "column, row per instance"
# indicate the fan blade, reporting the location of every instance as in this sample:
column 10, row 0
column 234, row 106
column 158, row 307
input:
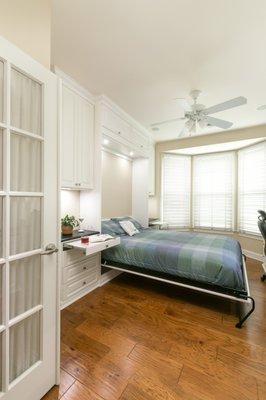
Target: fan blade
column 220, row 123
column 263, row 107
column 168, row 121
column 238, row 101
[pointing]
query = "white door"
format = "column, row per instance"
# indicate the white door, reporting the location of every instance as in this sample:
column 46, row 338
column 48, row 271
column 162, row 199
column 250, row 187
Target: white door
column 28, row 222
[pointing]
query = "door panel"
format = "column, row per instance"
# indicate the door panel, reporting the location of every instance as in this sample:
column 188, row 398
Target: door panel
column 25, row 224
column 1, row 90
column 26, row 103
column 25, row 164
column 24, row 285
column 24, row 346
column 28, row 222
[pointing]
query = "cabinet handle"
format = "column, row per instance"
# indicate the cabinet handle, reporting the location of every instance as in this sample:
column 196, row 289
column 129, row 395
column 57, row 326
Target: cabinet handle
column 84, row 268
column 84, row 283
column 119, row 133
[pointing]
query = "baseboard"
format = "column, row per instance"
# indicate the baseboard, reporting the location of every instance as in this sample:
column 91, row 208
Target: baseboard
column 108, row 276
column 252, row 254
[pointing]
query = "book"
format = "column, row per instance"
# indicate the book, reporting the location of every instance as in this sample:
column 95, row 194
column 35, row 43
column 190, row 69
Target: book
column 100, row 238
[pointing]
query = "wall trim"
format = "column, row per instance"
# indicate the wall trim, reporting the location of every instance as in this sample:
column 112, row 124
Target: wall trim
column 108, row 276
column 253, row 255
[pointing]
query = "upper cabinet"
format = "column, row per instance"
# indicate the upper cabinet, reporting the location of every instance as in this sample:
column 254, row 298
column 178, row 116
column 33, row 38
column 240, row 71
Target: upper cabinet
column 124, row 131
column 77, row 139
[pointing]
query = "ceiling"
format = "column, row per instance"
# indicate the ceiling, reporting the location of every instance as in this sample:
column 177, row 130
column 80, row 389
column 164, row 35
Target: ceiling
column 144, row 53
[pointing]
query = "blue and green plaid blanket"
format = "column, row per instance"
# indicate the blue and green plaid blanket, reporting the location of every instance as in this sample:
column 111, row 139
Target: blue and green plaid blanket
column 206, row 258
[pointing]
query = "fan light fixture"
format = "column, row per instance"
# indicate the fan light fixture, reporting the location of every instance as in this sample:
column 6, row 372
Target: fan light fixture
column 198, row 116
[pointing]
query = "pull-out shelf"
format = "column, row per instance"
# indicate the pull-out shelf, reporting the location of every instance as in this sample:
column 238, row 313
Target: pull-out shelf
column 92, row 248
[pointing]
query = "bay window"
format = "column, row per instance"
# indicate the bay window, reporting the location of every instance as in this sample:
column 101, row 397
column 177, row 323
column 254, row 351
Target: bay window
column 219, row 191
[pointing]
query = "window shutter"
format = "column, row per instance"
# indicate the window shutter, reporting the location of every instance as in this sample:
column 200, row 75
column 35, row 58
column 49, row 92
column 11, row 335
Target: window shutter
column 213, row 191
column 176, row 190
column 251, row 186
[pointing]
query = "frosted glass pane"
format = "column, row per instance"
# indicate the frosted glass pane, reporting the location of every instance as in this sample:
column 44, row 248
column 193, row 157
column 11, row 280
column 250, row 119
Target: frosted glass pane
column 25, row 164
column 1, row 294
column 1, row 226
column 24, row 346
column 0, row 362
column 25, row 284
column 25, row 224
column 1, row 159
column 1, row 90
column 26, row 102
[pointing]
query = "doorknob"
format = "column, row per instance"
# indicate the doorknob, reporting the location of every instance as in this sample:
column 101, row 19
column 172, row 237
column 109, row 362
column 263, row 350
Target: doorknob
column 49, row 249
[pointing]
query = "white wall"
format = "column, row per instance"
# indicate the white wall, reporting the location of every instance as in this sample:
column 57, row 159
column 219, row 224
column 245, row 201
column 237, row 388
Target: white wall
column 116, row 185
column 70, row 203
column 140, row 190
column 27, row 24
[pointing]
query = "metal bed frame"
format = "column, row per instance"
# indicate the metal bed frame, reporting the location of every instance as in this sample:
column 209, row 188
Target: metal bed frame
column 243, row 297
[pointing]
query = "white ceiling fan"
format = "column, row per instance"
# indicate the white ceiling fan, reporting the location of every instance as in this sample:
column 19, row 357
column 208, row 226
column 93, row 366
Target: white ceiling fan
column 196, row 115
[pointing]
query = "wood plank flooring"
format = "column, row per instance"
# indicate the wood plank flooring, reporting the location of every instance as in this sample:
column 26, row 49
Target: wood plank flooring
column 135, row 339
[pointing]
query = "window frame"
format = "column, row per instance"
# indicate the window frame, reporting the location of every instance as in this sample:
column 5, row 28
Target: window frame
column 235, row 195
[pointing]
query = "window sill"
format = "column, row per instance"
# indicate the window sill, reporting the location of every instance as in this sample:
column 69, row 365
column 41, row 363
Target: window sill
column 249, row 236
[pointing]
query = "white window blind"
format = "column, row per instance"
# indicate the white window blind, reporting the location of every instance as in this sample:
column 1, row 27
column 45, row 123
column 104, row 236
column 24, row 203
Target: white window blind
column 213, row 191
column 251, row 186
column 176, row 188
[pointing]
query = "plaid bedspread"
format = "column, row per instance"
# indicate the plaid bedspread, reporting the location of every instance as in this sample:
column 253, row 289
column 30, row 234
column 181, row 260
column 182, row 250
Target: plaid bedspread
column 206, row 258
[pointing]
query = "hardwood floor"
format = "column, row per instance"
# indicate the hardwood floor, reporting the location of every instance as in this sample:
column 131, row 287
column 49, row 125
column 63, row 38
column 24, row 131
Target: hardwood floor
column 135, row 339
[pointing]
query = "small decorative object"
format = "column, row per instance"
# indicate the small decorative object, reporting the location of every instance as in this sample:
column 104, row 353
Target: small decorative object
column 85, row 239
column 68, row 223
column 81, row 219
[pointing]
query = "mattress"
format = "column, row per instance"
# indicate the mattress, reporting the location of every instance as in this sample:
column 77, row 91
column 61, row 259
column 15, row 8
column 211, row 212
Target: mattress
column 205, row 258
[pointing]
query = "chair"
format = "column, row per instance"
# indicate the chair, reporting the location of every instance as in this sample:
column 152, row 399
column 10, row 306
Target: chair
column 262, row 228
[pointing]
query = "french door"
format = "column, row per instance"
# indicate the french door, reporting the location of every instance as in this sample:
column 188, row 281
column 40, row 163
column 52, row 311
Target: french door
column 28, row 222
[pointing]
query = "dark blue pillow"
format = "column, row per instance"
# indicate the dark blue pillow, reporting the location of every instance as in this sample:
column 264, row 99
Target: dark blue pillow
column 112, row 228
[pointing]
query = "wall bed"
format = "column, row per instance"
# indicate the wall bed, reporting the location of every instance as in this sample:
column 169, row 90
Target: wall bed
column 211, row 264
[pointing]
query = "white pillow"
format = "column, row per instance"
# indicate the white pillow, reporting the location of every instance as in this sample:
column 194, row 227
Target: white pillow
column 129, row 227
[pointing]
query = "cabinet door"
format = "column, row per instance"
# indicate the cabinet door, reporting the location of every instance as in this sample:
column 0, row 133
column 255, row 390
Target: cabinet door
column 85, row 142
column 152, row 171
column 67, row 138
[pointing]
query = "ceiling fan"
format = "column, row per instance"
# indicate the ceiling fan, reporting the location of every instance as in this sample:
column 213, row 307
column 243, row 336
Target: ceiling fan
column 196, row 115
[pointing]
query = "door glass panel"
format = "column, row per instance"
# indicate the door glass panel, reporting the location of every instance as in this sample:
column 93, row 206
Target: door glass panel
column 26, row 103
column 25, row 284
column 1, row 90
column 1, row 227
column 1, row 346
column 24, row 346
column 1, row 160
column 25, row 224
column 25, row 164
column 1, row 295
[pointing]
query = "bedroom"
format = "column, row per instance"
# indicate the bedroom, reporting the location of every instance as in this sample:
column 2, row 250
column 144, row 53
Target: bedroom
column 144, row 121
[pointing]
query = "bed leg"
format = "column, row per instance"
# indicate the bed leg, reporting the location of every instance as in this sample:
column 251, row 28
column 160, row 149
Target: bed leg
column 242, row 320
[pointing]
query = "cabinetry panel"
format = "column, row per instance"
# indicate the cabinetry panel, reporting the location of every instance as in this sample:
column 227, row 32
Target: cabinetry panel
column 67, row 138
column 77, row 140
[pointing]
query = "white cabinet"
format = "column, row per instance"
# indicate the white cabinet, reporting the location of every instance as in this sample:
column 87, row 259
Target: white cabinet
column 122, row 129
column 152, row 170
column 77, row 140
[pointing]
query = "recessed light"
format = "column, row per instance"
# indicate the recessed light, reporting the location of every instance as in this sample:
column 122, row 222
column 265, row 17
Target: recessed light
column 105, row 141
column 131, row 153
